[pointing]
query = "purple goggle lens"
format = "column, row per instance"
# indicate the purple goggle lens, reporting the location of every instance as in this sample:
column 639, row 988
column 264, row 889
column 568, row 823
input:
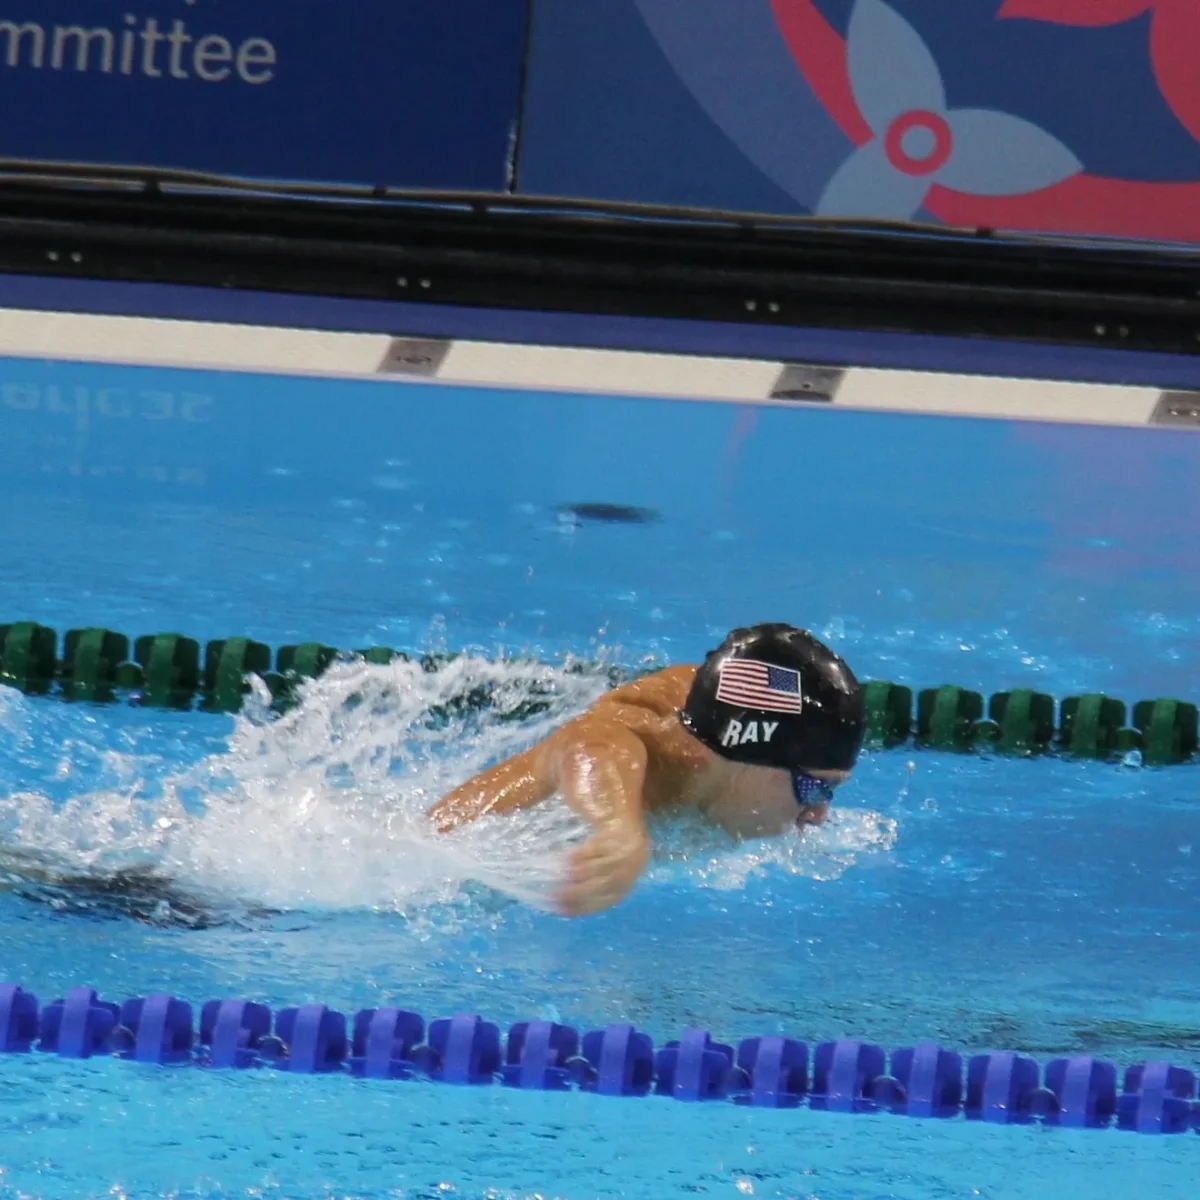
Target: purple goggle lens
column 809, row 790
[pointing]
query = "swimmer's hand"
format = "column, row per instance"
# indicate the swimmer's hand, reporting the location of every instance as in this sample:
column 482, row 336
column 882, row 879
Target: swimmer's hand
column 604, row 869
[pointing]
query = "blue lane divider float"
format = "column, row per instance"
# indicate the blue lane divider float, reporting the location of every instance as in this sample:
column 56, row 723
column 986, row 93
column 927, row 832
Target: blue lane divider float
column 387, row 1044
column 18, row 1019
column 232, row 1032
column 155, row 1029
column 925, row 1080
column 541, row 1054
column 617, row 1061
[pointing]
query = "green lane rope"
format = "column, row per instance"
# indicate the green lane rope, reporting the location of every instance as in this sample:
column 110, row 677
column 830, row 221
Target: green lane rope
column 168, row 670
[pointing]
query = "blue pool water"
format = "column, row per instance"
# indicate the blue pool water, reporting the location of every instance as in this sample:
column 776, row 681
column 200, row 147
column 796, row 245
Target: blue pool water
column 1040, row 905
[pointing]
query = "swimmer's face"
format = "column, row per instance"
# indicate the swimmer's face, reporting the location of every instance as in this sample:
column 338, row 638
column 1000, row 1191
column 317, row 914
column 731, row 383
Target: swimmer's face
column 760, row 801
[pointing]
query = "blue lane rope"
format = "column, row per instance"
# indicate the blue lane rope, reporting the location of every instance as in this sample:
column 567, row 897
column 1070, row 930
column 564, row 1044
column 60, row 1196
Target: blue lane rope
column 925, row 1080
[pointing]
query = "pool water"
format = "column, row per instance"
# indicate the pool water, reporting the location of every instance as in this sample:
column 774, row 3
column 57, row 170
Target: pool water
column 1039, row 905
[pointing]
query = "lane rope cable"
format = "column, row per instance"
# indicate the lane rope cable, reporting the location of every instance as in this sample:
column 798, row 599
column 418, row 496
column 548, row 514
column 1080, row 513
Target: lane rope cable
column 169, row 670
column 847, row 1076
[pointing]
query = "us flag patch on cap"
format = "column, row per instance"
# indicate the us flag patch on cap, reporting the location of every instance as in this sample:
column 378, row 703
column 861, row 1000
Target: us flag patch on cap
column 749, row 683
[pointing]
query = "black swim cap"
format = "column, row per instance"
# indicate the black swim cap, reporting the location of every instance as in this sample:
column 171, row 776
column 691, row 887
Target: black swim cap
column 774, row 696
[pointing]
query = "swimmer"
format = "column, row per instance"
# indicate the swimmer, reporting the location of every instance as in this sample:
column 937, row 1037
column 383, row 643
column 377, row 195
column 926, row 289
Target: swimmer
column 756, row 739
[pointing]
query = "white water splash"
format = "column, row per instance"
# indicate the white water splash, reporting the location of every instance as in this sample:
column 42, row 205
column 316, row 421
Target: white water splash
column 848, row 838
column 324, row 807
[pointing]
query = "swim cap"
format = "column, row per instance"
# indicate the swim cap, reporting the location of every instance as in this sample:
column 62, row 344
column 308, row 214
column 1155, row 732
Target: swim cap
column 773, row 696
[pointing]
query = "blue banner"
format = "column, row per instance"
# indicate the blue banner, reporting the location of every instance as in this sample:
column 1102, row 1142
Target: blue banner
column 407, row 93
column 1063, row 116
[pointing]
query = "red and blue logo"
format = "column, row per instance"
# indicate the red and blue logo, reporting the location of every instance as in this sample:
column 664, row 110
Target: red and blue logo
column 1060, row 116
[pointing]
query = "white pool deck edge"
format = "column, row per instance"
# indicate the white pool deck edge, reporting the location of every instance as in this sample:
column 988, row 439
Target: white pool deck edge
column 144, row 341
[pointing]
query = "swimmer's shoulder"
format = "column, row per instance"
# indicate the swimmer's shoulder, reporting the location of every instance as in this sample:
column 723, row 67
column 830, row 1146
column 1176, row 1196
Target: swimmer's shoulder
column 663, row 693
column 648, row 708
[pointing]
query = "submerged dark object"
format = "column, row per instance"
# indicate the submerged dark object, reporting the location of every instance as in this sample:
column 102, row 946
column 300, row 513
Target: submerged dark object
column 610, row 514
column 135, row 893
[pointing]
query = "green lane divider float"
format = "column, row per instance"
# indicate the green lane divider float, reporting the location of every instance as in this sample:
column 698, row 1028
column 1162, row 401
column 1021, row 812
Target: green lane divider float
column 168, row 670
column 27, row 656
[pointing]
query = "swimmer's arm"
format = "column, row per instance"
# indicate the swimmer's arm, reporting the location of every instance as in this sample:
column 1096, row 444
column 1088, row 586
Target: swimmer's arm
column 595, row 763
column 598, row 766
column 517, row 783
column 600, row 769
column 601, row 773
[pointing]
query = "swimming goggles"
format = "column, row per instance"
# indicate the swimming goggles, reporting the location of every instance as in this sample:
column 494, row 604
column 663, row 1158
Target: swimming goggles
column 809, row 790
